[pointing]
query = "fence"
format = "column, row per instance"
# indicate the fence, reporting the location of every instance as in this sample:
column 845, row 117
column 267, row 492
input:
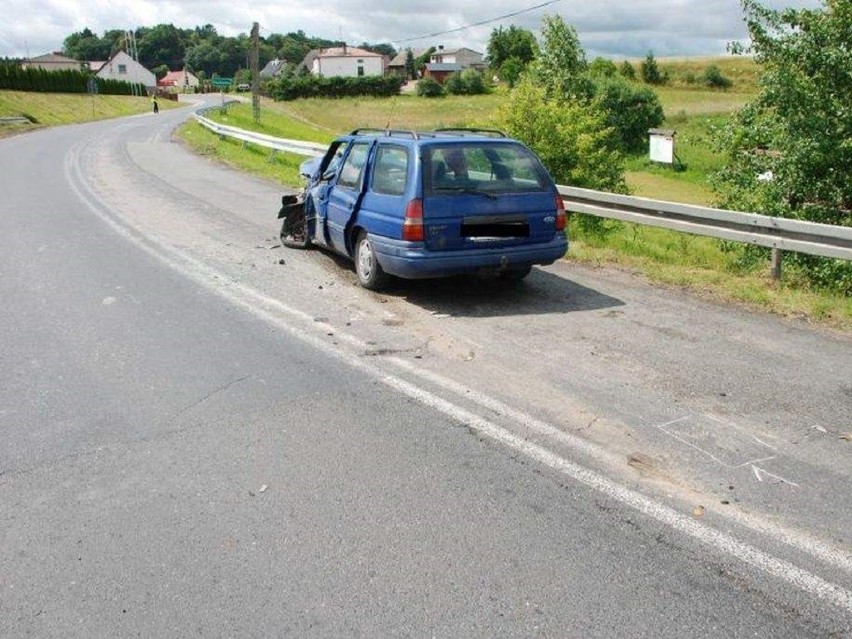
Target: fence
column 779, row 234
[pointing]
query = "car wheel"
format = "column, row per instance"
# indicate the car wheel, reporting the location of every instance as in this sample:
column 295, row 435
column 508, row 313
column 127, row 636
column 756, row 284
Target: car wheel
column 515, row 274
column 371, row 275
column 293, row 231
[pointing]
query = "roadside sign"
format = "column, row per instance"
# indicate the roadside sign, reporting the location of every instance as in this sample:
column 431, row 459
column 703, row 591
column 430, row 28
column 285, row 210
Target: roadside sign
column 222, row 82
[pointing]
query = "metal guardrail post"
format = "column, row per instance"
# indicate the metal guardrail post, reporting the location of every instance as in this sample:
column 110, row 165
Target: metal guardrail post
column 777, row 255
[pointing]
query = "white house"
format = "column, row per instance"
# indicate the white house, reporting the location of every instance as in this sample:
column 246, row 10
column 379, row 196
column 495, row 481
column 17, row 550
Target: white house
column 124, row 68
column 344, row 61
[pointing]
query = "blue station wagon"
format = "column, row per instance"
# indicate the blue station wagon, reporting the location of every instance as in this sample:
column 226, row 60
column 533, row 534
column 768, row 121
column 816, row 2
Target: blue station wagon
column 428, row 204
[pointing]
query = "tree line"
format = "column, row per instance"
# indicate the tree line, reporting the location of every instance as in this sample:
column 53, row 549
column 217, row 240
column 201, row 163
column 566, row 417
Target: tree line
column 200, row 49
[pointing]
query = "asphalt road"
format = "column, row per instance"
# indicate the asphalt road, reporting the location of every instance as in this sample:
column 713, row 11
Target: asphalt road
column 204, row 433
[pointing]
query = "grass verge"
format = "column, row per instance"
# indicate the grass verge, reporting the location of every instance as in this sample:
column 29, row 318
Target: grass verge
column 53, row 109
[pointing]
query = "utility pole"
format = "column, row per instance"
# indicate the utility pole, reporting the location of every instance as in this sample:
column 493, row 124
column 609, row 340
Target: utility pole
column 255, row 80
column 133, row 51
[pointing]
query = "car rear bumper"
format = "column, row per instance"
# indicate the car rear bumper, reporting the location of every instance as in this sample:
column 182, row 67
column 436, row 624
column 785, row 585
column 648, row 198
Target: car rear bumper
column 412, row 260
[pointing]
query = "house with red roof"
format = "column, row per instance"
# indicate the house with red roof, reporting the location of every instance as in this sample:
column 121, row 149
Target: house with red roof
column 179, row 80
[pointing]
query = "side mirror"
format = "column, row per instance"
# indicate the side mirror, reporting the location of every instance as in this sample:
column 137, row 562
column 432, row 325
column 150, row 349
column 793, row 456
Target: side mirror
column 329, row 175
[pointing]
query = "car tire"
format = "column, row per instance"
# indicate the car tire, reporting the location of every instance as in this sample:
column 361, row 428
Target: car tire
column 294, row 233
column 515, row 274
column 370, row 273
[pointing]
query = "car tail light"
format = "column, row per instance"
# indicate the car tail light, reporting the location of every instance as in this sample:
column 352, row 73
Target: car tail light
column 560, row 213
column 412, row 226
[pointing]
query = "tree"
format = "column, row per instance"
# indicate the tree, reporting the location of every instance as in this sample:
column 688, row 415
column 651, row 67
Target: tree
column 382, row 49
column 514, row 43
column 423, row 59
column 627, row 71
column 161, row 44
column 85, row 45
column 571, row 139
column 561, row 63
column 789, row 150
column 206, row 57
column 650, row 71
column 410, row 70
column 511, row 71
column 629, row 109
column 602, row 68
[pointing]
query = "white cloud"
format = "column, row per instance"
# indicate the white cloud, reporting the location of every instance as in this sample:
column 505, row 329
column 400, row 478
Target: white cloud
column 614, row 28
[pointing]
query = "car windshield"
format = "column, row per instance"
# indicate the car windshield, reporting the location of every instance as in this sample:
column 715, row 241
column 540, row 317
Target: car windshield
column 484, row 167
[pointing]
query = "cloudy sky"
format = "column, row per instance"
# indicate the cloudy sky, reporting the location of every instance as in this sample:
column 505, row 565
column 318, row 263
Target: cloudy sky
column 611, row 28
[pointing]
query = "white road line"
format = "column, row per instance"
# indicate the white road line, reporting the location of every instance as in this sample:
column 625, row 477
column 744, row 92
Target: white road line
column 257, row 303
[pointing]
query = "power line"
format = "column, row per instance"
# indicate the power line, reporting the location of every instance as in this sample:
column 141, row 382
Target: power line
column 478, row 24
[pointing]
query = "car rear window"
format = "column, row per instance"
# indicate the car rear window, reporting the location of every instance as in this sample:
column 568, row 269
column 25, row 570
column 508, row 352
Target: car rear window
column 496, row 167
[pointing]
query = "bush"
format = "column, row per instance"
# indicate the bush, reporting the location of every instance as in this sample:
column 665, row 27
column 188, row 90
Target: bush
column 630, row 110
column 311, row 86
column 627, row 71
column 714, row 79
column 429, row 88
column 454, row 84
column 467, row 82
column 473, row 81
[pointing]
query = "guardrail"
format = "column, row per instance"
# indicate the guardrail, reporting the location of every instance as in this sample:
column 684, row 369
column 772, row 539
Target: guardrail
column 15, row 119
column 762, row 230
column 779, row 234
column 267, row 141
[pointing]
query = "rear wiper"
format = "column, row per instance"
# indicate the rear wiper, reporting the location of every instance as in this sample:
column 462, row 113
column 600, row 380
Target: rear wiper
column 466, row 189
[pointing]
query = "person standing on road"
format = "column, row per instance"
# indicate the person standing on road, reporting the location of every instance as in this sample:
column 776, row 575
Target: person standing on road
column 156, row 105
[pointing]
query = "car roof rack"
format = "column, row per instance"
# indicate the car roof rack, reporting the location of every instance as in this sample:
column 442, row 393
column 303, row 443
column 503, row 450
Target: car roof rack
column 388, row 132
column 472, row 130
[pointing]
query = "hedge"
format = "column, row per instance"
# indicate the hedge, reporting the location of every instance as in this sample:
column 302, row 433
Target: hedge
column 13, row 77
column 293, row 87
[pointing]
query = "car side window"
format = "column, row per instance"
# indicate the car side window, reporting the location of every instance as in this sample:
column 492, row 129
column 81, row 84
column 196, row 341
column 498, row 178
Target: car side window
column 350, row 172
column 391, row 172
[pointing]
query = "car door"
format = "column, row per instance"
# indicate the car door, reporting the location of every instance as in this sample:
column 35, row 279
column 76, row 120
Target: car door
column 319, row 191
column 344, row 196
